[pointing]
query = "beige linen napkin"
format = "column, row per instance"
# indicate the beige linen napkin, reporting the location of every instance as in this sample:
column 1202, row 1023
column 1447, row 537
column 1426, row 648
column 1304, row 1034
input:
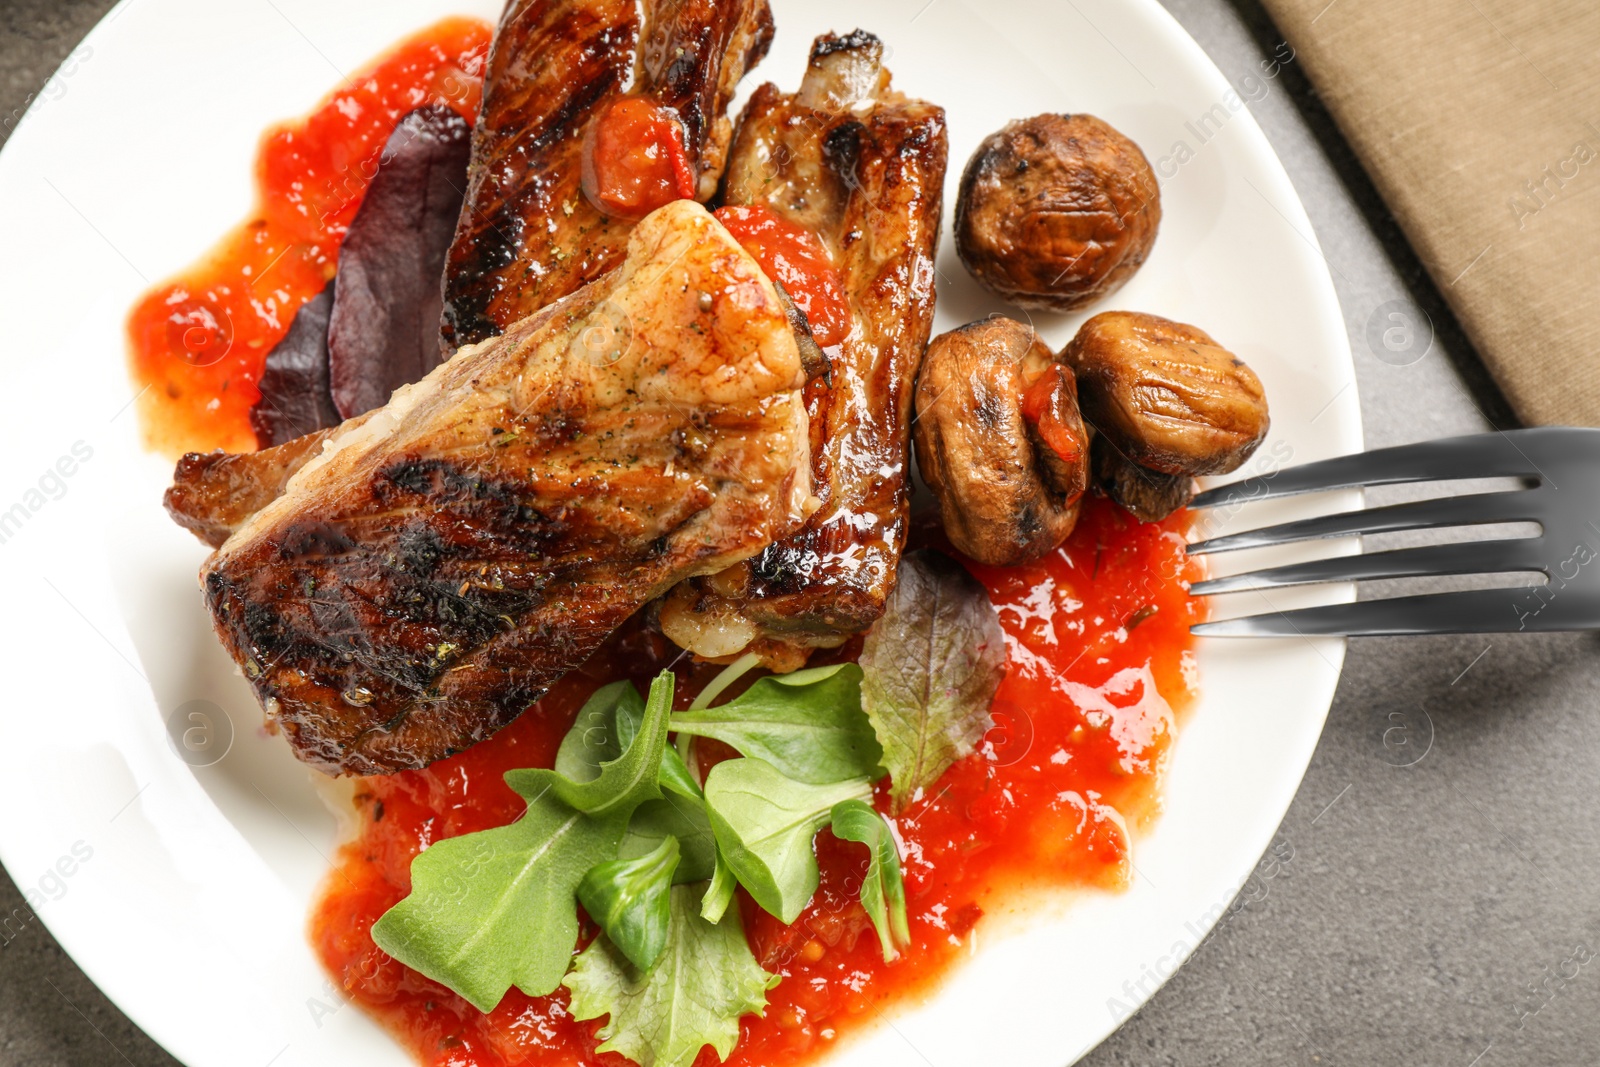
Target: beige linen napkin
column 1479, row 122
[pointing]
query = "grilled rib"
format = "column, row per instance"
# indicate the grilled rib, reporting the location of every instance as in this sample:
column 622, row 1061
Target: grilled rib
column 527, row 236
column 863, row 167
column 427, row 576
column 214, row 493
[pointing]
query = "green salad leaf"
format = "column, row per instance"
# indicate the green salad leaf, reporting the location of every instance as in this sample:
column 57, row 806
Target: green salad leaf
column 604, row 727
column 705, row 979
column 931, row 666
column 596, row 736
column 764, row 824
column 808, row 724
column 719, row 894
column 494, row 909
column 676, row 817
column 628, row 898
column 883, row 888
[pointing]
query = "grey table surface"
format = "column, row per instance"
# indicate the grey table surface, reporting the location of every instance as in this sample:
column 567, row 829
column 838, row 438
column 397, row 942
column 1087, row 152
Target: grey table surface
column 1430, row 896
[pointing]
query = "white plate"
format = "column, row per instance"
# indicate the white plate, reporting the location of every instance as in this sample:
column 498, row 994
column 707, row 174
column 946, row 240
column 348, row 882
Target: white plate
column 183, row 891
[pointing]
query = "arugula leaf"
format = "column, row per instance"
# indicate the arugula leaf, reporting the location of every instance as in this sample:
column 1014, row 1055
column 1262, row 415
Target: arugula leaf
column 764, row 824
column 694, row 996
column 611, row 790
column 628, row 898
column 809, row 725
column 595, row 736
column 932, row 664
column 604, row 727
column 883, row 889
column 498, row 908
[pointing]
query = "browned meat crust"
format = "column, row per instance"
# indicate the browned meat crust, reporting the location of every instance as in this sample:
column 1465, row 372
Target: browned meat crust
column 527, row 236
column 864, row 168
column 442, row 562
column 215, row 493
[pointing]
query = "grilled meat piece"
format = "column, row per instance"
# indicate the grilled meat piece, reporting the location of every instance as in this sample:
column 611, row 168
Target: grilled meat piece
column 527, row 235
column 214, row 493
column 863, row 167
column 426, row 577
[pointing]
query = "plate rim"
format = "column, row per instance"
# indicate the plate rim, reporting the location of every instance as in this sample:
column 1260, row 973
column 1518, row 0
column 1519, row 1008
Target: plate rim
column 168, row 1031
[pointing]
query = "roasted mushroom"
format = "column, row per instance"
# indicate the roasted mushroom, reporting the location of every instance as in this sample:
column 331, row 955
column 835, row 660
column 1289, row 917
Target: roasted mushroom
column 1056, row 211
column 1168, row 396
column 1163, row 398
column 1145, row 494
column 999, row 441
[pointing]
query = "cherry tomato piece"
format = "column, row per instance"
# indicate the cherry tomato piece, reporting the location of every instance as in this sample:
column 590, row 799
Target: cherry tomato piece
column 634, row 159
column 1039, row 407
column 796, row 259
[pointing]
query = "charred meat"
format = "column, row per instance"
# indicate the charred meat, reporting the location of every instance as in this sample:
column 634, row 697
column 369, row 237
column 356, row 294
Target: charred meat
column 425, row 577
column 214, row 493
column 861, row 166
column 527, row 234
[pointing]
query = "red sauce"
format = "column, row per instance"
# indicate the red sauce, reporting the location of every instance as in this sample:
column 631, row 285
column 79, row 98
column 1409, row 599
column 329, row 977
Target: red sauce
column 1100, row 662
column 795, row 257
column 634, row 160
column 1097, row 632
column 197, row 342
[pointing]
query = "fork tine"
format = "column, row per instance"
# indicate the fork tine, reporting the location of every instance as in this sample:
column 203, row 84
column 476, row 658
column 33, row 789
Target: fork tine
column 1470, row 611
column 1490, row 455
column 1470, row 510
column 1471, row 557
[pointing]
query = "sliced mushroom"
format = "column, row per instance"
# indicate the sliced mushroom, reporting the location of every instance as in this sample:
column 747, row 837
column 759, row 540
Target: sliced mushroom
column 1056, row 211
column 999, row 441
column 1166, row 395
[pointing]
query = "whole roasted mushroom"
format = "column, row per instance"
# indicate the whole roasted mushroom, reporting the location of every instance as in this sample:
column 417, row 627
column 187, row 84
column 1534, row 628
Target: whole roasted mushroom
column 1166, row 394
column 1143, row 493
column 999, row 441
column 1164, row 398
column 1056, row 211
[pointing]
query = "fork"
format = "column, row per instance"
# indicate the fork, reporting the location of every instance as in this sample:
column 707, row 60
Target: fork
column 1560, row 468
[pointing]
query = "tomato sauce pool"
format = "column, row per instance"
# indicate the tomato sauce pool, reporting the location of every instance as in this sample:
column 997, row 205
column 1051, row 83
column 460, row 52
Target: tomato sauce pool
column 1099, row 653
column 1100, row 663
column 197, row 342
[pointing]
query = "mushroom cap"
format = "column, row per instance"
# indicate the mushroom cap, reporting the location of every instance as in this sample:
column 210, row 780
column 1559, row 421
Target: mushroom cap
column 1056, row 211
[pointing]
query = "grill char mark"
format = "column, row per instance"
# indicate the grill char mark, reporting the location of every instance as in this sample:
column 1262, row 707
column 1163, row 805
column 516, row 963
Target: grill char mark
column 866, row 173
column 527, row 236
column 445, row 560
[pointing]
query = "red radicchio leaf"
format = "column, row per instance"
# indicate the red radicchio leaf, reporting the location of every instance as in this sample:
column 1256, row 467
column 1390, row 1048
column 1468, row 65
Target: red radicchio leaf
column 295, row 399
column 384, row 329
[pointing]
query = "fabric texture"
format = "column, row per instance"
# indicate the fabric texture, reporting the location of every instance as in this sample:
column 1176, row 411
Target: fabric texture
column 1479, row 122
